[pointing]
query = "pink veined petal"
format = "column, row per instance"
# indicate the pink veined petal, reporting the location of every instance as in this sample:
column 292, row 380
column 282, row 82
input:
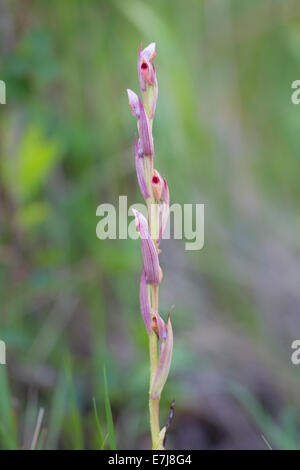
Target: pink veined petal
column 146, row 71
column 149, row 52
column 151, row 263
column 164, row 363
column 145, row 131
column 139, row 166
column 156, row 92
column 144, row 303
column 149, row 253
column 139, row 63
column 163, row 219
column 141, row 225
column 140, row 150
column 162, row 332
column 165, row 194
column 134, row 103
column 161, row 328
column 164, row 209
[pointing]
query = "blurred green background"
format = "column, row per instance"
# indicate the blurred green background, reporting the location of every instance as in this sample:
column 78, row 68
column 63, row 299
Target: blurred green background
column 226, row 135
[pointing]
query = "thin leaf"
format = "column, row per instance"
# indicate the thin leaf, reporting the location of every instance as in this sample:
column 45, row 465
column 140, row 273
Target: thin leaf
column 8, row 442
column 7, row 423
column 98, row 424
column 109, row 418
column 77, row 432
column 266, row 442
column 37, row 430
column 58, row 406
column 104, row 441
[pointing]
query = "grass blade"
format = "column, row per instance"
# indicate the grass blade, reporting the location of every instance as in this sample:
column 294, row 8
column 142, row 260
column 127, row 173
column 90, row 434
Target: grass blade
column 109, row 418
column 77, row 431
column 266, row 442
column 37, row 430
column 57, row 412
column 98, row 424
column 8, row 434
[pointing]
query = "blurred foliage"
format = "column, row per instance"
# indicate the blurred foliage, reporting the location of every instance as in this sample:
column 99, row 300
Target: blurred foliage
column 226, row 135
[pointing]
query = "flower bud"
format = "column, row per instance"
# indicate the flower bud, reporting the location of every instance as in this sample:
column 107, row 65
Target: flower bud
column 147, row 78
column 145, row 68
column 159, row 327
column 149, row 253
column 134, row 103
column 144, row 127
column 164, row 363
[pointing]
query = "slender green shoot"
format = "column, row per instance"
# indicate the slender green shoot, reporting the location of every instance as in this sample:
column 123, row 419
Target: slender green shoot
column 98, row 424
column 109, row 418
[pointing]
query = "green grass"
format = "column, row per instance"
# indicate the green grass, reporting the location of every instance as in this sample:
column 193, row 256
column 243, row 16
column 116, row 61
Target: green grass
column 109, row 418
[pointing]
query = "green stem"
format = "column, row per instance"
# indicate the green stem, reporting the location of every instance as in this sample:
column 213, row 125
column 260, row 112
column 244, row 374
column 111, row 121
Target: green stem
column 154, row 421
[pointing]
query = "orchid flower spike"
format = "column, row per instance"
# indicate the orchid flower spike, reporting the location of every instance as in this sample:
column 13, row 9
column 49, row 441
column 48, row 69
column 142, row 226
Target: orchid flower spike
column 155, row 190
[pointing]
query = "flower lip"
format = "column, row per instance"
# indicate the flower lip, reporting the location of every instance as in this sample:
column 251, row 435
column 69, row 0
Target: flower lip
column 146, row 73
column 156, row 185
